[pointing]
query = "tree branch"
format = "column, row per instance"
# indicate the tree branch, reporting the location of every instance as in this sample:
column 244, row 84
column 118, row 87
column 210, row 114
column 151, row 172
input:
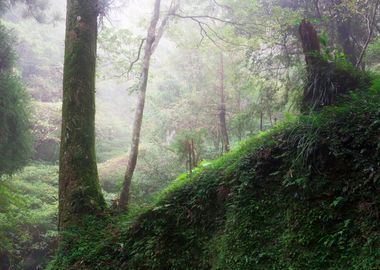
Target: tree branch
column 203, row 26
column 173, row 8
column 371, row 27
column 137, row 58
column 200, row 17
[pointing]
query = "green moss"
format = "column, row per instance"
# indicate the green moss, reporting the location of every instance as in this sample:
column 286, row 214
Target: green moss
column 28, row 222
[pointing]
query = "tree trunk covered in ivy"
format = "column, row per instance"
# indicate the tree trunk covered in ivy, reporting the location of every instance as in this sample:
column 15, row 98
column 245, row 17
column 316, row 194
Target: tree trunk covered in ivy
column 133, row 154
column 79, row 190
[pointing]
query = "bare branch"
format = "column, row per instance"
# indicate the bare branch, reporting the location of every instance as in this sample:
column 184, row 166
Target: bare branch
column 206, row 34
column 206, row 29
column 200, row 17
column 129, row 70
column 216, row 34
column 173, row 8
column 138, row 56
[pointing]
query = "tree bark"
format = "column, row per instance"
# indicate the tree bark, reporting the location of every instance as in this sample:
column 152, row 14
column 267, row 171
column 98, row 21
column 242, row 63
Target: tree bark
column 326, row 81
column 314, row 65
column 345, row 41
column 133, row 154
column 222, row 111
column 310, row 44
column 79, row 190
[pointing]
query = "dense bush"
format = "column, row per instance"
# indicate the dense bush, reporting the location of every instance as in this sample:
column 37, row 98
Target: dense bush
column 14, row 110
column 28, row 230
column 15, row 149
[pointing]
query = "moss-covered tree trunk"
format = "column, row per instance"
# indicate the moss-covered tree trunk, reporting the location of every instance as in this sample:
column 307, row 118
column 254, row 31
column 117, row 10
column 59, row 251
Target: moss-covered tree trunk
column 327, row 82
column 313, row 94
column 79, row 191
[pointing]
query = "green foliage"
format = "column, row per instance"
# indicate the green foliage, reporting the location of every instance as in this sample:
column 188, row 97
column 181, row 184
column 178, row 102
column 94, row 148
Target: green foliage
column 182, row 140
column 153, row 173
column 331, row 54
column 14, row 111
column 118, row 49
column 372, row 57
column 28, row 217
column 301, row 196
column 330, row 81
column 324, row 39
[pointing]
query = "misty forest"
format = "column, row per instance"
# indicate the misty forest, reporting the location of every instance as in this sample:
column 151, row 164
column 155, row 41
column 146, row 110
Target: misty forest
column 190, row 134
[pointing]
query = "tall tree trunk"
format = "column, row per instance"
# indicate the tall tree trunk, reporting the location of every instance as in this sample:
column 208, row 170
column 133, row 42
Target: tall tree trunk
column 314, row 64
column 270, row 117
column 79, row 190
column 194, row 157
column 240, row 125
column 345, row 41
column 132, row 159
column 288, row 61
column 222, row 111
column 326, row 82
column 310, row 44
column 188, row 142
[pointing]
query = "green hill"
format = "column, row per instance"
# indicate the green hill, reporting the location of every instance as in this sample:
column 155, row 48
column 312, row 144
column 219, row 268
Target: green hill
column 304, row 195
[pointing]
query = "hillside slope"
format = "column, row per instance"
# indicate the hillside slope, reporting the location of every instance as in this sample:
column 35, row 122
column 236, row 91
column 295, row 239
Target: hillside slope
column 303, row 196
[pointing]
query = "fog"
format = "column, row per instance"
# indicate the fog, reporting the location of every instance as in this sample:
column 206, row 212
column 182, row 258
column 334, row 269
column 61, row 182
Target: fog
column 222, row 72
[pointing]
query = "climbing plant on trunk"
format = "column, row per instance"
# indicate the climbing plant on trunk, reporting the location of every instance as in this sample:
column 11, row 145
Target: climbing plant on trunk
column 79, row 190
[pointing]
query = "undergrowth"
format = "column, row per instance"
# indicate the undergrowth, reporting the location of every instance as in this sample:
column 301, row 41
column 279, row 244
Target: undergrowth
column 304, row 195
